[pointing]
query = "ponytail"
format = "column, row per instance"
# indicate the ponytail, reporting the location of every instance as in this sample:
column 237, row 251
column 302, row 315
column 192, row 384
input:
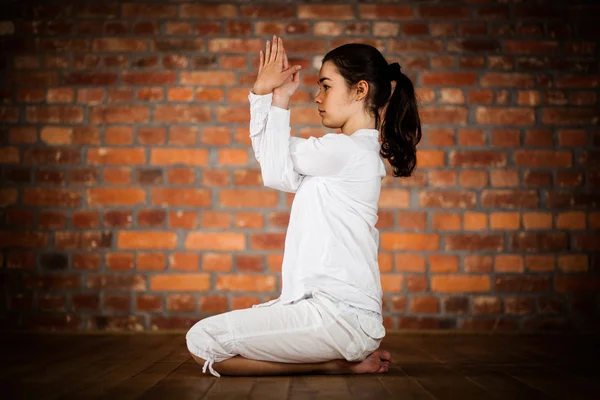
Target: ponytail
column 401, row 125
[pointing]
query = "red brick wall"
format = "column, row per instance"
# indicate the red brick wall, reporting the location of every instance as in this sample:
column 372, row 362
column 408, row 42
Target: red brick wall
column 130, row 197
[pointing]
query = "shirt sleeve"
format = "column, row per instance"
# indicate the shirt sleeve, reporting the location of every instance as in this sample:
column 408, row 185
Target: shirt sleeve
column 284, row 159
column 327, row 155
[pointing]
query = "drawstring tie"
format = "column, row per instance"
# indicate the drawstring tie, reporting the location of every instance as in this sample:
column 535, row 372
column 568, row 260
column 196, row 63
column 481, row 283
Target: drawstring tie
column 209, row 363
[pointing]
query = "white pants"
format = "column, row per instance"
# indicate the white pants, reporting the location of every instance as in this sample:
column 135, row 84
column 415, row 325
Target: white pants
column 313, row 329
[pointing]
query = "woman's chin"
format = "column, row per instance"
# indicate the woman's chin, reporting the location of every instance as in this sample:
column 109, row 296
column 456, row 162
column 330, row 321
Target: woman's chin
column 329, row 125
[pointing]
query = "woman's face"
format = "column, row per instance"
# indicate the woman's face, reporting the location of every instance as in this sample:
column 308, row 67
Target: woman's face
column 333, row 99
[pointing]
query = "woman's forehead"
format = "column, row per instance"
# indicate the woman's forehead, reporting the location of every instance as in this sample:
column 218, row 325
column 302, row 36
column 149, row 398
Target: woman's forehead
column 328, row 70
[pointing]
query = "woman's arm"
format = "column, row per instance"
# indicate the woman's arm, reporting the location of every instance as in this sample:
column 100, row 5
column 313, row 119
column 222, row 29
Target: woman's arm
column 270, row 117
column 284, row 159
column 270, row 136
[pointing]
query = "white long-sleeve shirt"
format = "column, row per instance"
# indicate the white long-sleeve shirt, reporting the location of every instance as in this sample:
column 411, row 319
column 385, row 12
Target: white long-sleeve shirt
column 331, row 242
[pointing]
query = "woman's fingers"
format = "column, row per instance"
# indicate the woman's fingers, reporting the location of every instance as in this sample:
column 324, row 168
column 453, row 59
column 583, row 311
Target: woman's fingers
column 279, row 50
column 275, row 52
column 261, row 60
column 274, row 46
column 267, row 52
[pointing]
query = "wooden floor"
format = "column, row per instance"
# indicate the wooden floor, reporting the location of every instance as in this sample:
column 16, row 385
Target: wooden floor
column 425, row 366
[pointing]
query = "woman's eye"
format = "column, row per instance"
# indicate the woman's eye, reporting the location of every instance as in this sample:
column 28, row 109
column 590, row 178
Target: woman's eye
column 325, row 87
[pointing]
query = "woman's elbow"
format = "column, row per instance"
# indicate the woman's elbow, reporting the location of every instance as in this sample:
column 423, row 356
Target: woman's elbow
column 269, row 179
column 280, row 183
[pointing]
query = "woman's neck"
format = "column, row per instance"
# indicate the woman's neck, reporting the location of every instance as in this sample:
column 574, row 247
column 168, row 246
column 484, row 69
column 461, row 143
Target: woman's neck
column 358, row 121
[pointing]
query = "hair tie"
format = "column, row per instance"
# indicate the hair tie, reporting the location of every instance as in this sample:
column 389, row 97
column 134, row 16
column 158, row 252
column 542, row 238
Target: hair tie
column 394, row 71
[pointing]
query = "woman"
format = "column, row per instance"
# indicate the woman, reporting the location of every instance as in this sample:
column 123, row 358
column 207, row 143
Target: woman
column 328, row 318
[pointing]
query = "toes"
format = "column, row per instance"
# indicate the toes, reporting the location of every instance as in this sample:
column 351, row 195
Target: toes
column 385, row 355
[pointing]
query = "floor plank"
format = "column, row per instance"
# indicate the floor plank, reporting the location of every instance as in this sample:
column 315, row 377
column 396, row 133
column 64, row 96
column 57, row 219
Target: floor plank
column 271, row 388
column 364, row 387
column 553, row 382
column 501, row 384
column 230, row 388
column 72, row 359
column 140, row 383
column 445, row 383
column 331, row 387
column 404, row 352
column 405, row 386
column 185, row 383
column 464, row 350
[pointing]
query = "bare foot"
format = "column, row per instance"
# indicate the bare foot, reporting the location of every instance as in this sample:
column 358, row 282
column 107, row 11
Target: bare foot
column 376, row 363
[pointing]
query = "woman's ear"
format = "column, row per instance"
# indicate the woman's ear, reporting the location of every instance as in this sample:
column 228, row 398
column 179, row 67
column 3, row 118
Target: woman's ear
column 362, row 89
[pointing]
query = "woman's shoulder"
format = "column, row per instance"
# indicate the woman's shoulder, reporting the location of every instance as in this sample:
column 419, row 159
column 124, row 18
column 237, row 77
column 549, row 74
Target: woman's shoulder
column 359, row 142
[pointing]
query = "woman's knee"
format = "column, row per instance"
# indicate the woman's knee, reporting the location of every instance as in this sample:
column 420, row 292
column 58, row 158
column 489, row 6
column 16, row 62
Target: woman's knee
column 198, row 337
column 210, row 337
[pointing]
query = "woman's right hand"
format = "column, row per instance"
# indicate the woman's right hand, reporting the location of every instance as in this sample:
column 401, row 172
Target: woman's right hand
column 273, row 70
